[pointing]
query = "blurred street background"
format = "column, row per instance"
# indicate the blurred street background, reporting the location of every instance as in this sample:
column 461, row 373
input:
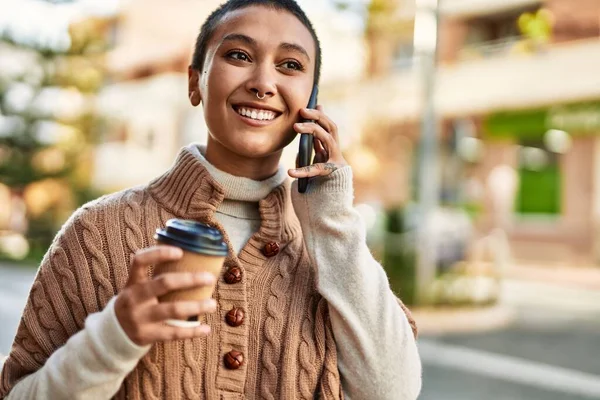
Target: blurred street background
column 474, row 127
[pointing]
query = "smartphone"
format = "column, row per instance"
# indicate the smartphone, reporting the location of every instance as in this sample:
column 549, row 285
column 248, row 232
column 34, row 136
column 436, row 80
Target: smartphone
column 306, row 143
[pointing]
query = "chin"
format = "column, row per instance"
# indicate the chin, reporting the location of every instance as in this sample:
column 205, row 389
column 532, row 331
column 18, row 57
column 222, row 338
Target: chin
column 255, row 145
column 257, row 149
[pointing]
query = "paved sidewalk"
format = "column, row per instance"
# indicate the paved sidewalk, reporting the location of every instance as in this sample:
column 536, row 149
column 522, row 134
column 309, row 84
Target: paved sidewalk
column 516, row 294
column 587, row 276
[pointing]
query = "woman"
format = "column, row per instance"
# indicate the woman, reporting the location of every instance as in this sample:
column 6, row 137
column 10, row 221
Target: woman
column 314, row 314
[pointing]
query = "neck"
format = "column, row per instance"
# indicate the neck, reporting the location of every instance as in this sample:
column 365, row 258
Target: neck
column 257, row 169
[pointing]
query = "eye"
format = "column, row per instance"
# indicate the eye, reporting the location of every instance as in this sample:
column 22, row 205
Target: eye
column 238, row 55
column 292, row 65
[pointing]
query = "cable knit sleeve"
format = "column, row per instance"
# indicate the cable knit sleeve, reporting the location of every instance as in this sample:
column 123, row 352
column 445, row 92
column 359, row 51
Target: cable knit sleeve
column 377, row 351
column 65, row 346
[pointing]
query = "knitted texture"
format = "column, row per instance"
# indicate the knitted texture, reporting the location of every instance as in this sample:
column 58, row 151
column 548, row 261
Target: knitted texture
column 286, row 337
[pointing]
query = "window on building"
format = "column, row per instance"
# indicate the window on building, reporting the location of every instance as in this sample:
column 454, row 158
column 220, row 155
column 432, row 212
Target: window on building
column 493, row 34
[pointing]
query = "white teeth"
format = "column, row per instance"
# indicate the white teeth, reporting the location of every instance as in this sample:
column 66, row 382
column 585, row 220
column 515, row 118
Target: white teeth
column 261, row 115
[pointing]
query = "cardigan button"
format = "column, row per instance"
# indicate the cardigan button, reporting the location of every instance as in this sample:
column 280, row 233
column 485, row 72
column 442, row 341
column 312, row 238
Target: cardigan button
column 235, row 317
column 233, row 359
column 271, row 249
column 233, row 275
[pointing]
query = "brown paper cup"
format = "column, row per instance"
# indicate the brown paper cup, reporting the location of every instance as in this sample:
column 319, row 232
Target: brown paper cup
column 194, row 263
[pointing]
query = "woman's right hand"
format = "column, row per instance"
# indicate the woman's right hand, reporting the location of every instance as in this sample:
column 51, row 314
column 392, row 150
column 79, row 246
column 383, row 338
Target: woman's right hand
column 137, row 308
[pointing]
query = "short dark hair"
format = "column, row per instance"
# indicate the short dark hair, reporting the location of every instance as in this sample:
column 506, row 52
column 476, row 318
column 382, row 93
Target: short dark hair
column 211, row 23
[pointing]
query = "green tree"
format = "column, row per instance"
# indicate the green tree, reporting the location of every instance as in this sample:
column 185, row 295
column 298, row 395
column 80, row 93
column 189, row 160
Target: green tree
column 48, row 128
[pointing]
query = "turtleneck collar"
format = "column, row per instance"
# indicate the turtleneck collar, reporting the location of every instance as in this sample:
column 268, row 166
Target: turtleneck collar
column 190, row 190
column 237, row 187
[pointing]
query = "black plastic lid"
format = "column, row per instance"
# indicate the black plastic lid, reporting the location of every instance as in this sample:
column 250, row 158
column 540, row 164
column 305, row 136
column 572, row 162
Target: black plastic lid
column 193, row 236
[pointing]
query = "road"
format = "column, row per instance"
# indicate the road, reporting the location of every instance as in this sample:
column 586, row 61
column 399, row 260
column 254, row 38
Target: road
column 547, row 353
column 550, row 352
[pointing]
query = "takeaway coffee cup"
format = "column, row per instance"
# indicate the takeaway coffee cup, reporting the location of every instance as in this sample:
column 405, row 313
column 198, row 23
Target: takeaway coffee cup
column 203, row 251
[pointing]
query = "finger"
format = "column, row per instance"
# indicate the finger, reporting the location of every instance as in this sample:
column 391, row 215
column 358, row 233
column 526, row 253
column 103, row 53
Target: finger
column 321, row 154
column 321, row 169
column 321, row 118
column 178, row 310
column 161, row 332
column 146, row 257
column 315, row 115
column 320, row 158
column 319, row 148
column 321, row 134
column 165, row 283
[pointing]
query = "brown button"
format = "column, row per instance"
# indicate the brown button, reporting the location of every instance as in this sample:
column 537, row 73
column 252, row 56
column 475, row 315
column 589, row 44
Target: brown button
column 235, row 317
column 271, row 249
column 233, row 275
column 233, row 359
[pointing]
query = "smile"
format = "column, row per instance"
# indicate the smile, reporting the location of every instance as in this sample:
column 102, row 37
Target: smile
column 256, row 113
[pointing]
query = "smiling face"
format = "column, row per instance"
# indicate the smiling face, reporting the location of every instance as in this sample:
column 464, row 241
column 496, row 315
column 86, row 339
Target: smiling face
column 254, row 50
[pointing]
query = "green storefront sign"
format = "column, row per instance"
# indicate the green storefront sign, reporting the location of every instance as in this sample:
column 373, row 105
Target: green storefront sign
column 540, row 189
column 532, row 124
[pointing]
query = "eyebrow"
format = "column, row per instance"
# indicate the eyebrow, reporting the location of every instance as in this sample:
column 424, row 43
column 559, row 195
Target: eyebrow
column 238, row 37
column 294, row 47
column 232, row 37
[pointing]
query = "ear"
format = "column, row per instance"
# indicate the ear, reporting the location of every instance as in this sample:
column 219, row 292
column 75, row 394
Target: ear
column 193, row 86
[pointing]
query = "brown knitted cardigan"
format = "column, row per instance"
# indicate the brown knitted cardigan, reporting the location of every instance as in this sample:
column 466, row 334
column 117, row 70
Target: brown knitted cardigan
column 287, row 341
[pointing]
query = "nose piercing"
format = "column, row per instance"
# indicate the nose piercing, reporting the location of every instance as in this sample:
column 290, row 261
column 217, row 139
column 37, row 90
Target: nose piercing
column 260, row 98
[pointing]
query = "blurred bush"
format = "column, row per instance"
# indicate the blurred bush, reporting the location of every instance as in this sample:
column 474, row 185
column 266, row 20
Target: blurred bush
column 399, row 255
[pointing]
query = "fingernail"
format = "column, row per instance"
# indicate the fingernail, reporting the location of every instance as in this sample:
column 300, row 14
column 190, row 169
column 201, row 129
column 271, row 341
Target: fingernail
column 176, row 252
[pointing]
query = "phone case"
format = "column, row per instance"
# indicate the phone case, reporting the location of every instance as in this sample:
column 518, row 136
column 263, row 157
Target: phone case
column 306, row 144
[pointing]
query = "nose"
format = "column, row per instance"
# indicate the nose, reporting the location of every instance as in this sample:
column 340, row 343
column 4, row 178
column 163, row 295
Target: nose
column 262, row 83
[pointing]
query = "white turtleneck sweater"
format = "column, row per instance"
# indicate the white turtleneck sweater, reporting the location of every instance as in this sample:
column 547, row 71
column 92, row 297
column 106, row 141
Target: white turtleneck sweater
column 238, row 213
column 377, row 352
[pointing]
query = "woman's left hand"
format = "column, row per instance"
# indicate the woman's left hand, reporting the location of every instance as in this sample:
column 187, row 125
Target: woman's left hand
column 328, row 156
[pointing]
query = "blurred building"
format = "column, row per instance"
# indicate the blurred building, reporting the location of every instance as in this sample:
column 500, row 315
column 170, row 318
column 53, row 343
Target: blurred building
column 518, row 97
column 542, row 120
